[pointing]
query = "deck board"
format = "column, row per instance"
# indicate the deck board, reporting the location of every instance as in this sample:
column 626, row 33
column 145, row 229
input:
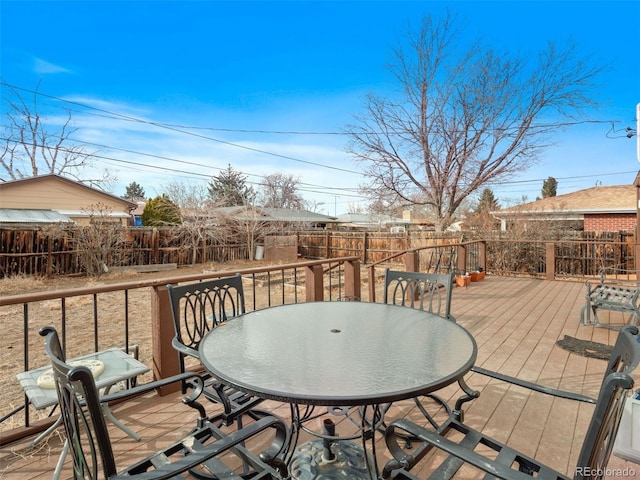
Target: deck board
column 516, row 323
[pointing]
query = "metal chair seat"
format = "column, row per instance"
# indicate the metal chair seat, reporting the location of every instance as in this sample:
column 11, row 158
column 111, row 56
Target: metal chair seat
column 200, row 453
column 196, row 309
column 458, row 441
column 430, row 292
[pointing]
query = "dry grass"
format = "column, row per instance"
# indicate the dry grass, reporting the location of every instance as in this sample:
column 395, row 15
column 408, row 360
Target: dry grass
column 79, row 320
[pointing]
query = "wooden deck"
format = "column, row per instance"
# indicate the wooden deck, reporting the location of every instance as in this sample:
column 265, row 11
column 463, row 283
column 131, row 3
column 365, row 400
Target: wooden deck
column 516, row 323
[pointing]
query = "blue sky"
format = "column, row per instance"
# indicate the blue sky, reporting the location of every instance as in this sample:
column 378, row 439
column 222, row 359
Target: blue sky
column 176, row 91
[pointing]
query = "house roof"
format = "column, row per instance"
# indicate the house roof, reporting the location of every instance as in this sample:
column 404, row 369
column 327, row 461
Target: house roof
column 19, row 216
column 365, row 219
column 594, row 200
column 277, row 214
column 48, row 177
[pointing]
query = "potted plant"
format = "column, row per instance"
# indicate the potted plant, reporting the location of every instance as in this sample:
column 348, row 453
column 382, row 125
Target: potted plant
column 478, row 275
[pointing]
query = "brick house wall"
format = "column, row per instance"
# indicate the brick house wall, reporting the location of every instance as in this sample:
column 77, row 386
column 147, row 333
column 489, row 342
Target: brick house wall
column 609, row 222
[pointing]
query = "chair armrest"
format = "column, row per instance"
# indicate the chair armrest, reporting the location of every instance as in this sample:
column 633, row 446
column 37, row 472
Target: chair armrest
column 191, row 378
column 182, row 348
column 403, row 460
column 534, row 386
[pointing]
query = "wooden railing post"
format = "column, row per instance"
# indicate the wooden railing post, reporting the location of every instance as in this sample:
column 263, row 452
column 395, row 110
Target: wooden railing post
column 412, row 261
column 372, row 282
column 482, row 255
column 352, row 279
column 461, row 259
column 165, row 357
column 551, row 260
column 313, row 282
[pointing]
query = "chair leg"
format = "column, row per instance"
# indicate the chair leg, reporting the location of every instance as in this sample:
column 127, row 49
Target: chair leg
column 469, row 395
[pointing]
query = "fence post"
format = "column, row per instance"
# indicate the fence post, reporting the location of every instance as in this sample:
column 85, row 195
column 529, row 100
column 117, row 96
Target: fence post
column 328, row 245
column 551, row 260
column 49, row 256
column 165, row 357
column 155, row 245
column 313, row 282
column 411, row 261
column 352, row 279
column 365, row 247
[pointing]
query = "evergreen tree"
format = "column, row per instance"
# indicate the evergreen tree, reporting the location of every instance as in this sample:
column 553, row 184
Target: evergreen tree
column 161, row 212
column 549, row 187
column 133, row 191
column 487, row 202
column 230, row 189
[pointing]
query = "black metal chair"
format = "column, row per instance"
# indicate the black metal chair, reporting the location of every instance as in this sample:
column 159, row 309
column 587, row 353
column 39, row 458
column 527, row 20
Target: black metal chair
column 430, row 292
column 505, row 462
column 199, row 453
column 197, row 308
column 427, row 291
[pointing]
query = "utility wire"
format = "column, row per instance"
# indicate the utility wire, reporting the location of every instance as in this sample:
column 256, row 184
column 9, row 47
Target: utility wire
column 179, row 130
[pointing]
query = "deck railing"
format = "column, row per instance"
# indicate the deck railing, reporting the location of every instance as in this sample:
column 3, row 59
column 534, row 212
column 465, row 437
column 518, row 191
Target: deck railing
column 87, row 320
column 94, row 318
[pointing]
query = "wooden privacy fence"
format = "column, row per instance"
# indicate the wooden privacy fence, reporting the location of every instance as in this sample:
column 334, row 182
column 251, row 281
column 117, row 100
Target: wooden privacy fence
column 49, row 252
column 370, row 247
column 46, row 252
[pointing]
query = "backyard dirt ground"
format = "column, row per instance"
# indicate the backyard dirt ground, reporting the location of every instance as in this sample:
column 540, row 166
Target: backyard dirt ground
column 79, row 315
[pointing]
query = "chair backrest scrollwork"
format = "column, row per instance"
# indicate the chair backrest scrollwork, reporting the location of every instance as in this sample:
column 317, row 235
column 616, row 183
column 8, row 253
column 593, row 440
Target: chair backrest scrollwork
column 427, row 291
column 84, row 424
column 199, row 307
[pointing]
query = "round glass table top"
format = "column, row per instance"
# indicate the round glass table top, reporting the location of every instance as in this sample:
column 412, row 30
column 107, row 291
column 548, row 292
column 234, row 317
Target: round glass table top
column 338, row 353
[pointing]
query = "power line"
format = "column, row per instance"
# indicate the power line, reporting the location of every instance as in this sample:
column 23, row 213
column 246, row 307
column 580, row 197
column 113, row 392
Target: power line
column 179, row 130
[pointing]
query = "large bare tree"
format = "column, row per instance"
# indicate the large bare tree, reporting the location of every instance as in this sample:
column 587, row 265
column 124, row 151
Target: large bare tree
column 280, row 190
column 463, row 117
column 33, row 145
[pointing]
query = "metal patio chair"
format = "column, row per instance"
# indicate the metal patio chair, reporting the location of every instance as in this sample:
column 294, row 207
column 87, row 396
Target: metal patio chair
column 504, row 462
column 199, row 453
column 430, row 292
column 196, row 309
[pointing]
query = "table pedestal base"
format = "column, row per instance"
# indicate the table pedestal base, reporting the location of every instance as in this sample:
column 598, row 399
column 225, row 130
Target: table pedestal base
column 310, row 462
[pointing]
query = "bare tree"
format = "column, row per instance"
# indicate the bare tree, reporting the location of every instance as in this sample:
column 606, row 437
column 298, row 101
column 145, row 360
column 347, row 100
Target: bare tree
column 99, row 245
column 249, row 225
column 199, row 223
column 280, row 190
column 32, row 147
column 462, row 118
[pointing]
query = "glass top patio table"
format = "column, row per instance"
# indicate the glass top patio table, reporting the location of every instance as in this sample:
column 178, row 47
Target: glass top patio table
column 338, row 353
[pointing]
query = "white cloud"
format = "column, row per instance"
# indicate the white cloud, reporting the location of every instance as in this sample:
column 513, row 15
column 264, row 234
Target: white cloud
column 43, row 67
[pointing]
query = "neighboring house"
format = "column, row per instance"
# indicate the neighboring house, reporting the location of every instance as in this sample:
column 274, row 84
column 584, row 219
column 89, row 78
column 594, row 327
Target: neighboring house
column 371, row 221
column 139, row 210
column 282, row 216
column 601, row 209
column 47, row 199
column 376, row 221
